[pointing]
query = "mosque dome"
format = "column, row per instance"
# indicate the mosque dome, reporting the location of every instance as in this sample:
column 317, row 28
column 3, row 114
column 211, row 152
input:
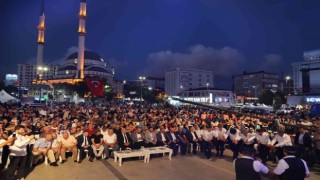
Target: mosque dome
column 94, row 65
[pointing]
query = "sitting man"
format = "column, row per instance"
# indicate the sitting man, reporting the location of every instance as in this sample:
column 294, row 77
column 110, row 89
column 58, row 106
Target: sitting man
column 97, row 141
column 110, row 142
column 68, row 143
column 151, row 139
column 84, row 143
column 41, row 149
column 124, row 139
column 162, row 137
column 138, row 138
column 56, row 145
column 192, row 138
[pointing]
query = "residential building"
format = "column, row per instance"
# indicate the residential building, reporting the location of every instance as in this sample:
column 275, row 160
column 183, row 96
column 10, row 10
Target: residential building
column 255, row 83
column 182, row 79
column 208, row 95
column 28, row 73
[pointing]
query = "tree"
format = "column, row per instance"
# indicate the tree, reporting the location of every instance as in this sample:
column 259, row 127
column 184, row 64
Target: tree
column 266, row 98
column 278, row 101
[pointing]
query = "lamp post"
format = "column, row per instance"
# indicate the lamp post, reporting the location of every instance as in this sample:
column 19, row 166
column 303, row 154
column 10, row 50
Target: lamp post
column 286, row 88
column 208, row 92
column 255, row 91
column 141, row 80
column 41, row 70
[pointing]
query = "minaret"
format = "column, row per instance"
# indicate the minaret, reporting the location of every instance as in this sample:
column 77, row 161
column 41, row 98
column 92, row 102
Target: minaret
column 81, row 37
column 41, row 28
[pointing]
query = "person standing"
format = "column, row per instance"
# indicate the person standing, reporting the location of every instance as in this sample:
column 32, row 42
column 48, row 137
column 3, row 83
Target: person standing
column 247, row 168
column 291, row 167
column 18, row 155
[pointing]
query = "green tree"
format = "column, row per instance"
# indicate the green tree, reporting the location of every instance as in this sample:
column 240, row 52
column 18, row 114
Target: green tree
column 266, row 98
column 278, row 101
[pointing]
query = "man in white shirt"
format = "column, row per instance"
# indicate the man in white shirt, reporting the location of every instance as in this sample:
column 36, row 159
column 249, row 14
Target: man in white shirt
column 282, row 140
column 68, row 143
column 208, row 137
column 221, row 136
column 109, row 142
column 263, row 141
column 18, row 155
column 234, row 141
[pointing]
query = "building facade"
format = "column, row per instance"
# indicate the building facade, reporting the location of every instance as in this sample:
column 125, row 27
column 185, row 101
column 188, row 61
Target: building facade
column 210, row 96
column 27, row 73
column 181, row 79
column 154, row 82
column 306, row 74
column 253, row 84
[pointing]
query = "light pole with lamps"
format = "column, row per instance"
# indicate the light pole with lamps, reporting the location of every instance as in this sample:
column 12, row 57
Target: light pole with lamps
column 208, row 92
column 141, row 80
column 41, row 70
column 286, row 88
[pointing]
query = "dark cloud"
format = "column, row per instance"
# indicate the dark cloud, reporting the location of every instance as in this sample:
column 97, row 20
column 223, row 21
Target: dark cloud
column 221, row 61
column 271, row 63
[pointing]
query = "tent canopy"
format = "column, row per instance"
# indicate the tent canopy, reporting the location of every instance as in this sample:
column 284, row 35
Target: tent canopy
column 5, row 97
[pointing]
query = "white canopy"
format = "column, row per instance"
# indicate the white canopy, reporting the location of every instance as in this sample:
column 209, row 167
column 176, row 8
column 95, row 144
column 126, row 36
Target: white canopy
column 5, row 97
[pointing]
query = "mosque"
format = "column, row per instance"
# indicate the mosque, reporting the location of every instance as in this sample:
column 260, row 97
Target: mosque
column 80, row 65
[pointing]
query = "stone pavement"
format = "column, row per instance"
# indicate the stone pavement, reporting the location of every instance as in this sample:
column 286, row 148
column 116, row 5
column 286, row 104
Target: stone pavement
column 159, row 168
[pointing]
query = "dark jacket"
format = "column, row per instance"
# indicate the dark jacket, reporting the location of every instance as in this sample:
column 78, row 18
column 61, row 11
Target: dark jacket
column 80, row 140
column 307, row 141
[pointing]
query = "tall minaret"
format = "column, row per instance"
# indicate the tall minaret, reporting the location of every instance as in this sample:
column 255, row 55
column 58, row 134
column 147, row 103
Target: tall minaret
column 41, row 28
column 82, row 35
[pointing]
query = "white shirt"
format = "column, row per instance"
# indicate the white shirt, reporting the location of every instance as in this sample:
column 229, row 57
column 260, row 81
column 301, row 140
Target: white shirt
column 1, row 149
column 174, row 138
column 56, row 142
column 163, row 137
column 234, row 137
column 248, row 139
column 257, row 165
column 285, row 140
column 221, row 133
column 263, row 139
column 104, row 133
column 110, row 139
column 193, row 136
column 282, row 166
column 198, row 133
column 19, row 146
column 300, row 141
column 125, row 138
column 85, row 141
column 208, row 136
column 139, row 137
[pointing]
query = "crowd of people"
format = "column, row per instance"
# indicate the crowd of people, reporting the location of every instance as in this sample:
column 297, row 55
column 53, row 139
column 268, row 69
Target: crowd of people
column 52, row 132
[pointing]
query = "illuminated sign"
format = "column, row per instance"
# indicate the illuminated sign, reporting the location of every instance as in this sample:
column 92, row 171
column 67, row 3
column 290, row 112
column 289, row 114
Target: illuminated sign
column 313, row 99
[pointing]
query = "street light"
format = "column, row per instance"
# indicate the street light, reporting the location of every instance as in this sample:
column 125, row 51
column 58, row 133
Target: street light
column 286, row 88
column 141, row 80
column 208, row 92
column 41, row 70
column 150, row 88
column 255, row 91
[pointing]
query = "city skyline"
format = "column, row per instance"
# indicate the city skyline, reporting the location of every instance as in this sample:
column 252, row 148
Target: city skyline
column 148, row 37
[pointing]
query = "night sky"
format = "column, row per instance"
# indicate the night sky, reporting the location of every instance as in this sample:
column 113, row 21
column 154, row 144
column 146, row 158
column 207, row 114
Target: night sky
column 146, row 37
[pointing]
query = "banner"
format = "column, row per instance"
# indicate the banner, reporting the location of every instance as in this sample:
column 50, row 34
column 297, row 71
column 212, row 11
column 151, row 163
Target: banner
column 96, row 86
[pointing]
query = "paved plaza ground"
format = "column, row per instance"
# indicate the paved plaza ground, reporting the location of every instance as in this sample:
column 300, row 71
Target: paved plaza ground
column 180, row 167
